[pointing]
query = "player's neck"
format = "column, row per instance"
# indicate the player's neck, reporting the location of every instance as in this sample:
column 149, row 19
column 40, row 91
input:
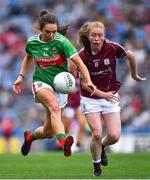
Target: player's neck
column 96, row 50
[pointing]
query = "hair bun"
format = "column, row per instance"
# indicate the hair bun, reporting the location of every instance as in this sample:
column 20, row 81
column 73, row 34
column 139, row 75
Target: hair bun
column 43, row 12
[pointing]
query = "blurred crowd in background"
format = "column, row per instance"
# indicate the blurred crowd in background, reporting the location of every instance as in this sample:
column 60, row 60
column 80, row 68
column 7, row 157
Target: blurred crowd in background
column 127, row 22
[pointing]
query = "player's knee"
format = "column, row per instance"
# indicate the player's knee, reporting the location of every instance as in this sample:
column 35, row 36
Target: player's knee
column 54, row 108
column 97, row 136
column 114, row 137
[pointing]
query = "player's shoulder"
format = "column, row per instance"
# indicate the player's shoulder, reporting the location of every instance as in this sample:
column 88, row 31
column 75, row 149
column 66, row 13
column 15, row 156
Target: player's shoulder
column 84, row 54
column 33, row 39
column 59, row 37
column 81, row 51
column 113, row 44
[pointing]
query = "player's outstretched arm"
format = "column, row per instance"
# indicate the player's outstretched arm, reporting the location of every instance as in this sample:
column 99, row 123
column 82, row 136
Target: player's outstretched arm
column 133, row 66
column 109, row 96
column 17, row 86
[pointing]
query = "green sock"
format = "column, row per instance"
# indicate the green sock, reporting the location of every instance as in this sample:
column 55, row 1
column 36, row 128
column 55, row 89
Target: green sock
column 60, row 135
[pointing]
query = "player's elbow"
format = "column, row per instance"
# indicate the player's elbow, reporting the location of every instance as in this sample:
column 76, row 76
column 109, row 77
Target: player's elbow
column 130, row 54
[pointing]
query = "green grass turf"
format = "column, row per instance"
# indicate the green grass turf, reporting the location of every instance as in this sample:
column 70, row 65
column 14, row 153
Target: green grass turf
column 54, row 165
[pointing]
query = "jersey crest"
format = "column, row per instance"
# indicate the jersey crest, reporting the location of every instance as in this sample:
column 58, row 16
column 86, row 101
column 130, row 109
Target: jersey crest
column 106, row 61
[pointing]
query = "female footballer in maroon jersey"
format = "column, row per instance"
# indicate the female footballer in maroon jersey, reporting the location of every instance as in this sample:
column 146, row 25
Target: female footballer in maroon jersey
column 99, row 55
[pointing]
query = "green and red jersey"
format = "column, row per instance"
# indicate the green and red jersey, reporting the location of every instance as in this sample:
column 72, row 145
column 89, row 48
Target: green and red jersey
column 50, row 58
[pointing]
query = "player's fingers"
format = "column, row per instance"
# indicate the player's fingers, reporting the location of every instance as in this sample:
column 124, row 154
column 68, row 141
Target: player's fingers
column 116, row 98
column 93, row 88
column 17, row 88
column 112, row 92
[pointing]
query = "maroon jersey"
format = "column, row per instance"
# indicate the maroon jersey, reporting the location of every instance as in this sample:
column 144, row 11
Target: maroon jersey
column 74, row 97
column 102, row 67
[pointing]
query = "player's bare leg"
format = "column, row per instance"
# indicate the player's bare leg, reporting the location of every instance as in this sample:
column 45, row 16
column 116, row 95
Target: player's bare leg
column 81, row 122
column 94, row 122
column 113, row 128
column 42, row 132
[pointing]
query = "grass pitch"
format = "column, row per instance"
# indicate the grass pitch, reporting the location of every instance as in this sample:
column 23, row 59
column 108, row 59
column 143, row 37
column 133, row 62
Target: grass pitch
column 54, row 165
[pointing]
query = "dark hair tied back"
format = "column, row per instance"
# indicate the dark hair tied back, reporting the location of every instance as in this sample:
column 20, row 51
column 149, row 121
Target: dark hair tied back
column 43, row 12
column 63, row 29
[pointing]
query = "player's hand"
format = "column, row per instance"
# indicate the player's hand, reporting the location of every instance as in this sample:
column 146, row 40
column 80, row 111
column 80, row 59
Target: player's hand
column 17, row 86
column 138, row 78
column 92, row 87
column 109, row 96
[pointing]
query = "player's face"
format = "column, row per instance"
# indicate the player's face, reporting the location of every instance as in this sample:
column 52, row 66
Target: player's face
column 96, row 37
column 49, row 31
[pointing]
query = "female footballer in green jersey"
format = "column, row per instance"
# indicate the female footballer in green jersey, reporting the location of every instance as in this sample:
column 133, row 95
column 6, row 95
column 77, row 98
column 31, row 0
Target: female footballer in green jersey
column 49, row 50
